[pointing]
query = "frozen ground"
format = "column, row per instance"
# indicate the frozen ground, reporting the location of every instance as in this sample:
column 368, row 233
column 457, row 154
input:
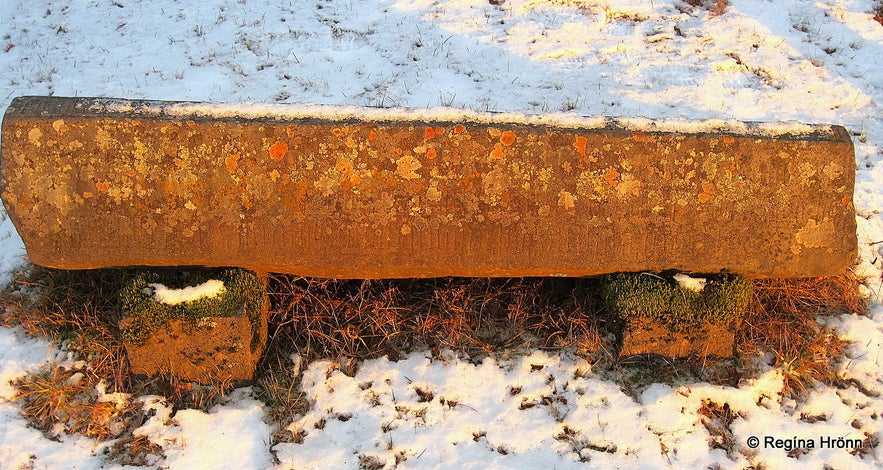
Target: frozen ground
column 790, row 60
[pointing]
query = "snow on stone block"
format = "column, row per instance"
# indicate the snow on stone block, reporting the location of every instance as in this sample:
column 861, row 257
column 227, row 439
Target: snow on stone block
column 354, row 193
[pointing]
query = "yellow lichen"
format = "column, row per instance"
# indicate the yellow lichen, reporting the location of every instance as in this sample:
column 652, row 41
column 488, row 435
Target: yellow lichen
column 407, row 167
column 566, row 200
column 433, row 194
column 34, row 136
column 59, row 126
column 815, row 234
column 629, row 186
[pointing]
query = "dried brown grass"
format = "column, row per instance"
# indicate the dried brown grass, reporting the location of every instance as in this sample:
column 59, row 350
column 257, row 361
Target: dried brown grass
column 77, row 308
column 80, row 310
column 59, row 400
column 364, row 319
column 782, row 320
column 351, row 320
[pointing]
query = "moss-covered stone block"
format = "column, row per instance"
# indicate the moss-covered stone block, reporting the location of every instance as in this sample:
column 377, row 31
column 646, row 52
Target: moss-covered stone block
column 661, row 316
column 211, row 338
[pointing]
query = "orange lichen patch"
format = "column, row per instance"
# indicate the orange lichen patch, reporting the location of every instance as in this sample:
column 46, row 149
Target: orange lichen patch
column 232, row 162
column 497, row 152
column 131, row 173
column 507, row 138
column 611, row 176
column 344, row 167
column 847, row 200
column 102, row 186
column 372, row 135
column 430, row 153
column 708, row 188
column 459, row 129
column 580, row 144
column 728, row 139
column 704, row 197
column 355, row 179
column 428, row 133
column 399, row 151
column 87, row 195
column 407, row 167
column 278, row 150
column 468, row 182
column 337, row 131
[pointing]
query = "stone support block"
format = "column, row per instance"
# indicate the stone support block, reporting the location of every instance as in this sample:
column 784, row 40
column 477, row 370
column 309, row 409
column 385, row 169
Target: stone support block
column 206, row 349
column 354, row 193
column 647, row 336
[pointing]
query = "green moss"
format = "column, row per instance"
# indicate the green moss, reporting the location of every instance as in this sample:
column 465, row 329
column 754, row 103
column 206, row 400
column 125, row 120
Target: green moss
column 643, row 295
column 242, row 289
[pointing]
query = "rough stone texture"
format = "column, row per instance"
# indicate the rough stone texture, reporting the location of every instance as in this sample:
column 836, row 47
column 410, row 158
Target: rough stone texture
column 207, row 350
column 645, row 336
column 87, row 186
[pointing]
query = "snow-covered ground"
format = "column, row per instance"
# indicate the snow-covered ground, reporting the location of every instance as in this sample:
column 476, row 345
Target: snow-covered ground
column 813, row 61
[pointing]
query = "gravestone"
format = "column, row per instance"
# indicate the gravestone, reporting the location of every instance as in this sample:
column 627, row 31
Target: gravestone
column 341, row 193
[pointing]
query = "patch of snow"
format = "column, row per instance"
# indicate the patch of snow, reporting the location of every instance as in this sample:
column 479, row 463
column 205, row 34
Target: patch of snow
column 232, row 435
column 253, row 110
column 695, row 284
column 207, row 290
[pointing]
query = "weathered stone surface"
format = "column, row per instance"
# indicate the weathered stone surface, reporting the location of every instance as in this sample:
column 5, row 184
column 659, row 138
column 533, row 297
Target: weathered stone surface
column 91, row 184
column 205, row 350
column 645, row 336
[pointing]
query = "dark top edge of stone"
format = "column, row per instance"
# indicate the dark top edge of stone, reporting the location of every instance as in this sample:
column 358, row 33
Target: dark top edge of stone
column 54, row 107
